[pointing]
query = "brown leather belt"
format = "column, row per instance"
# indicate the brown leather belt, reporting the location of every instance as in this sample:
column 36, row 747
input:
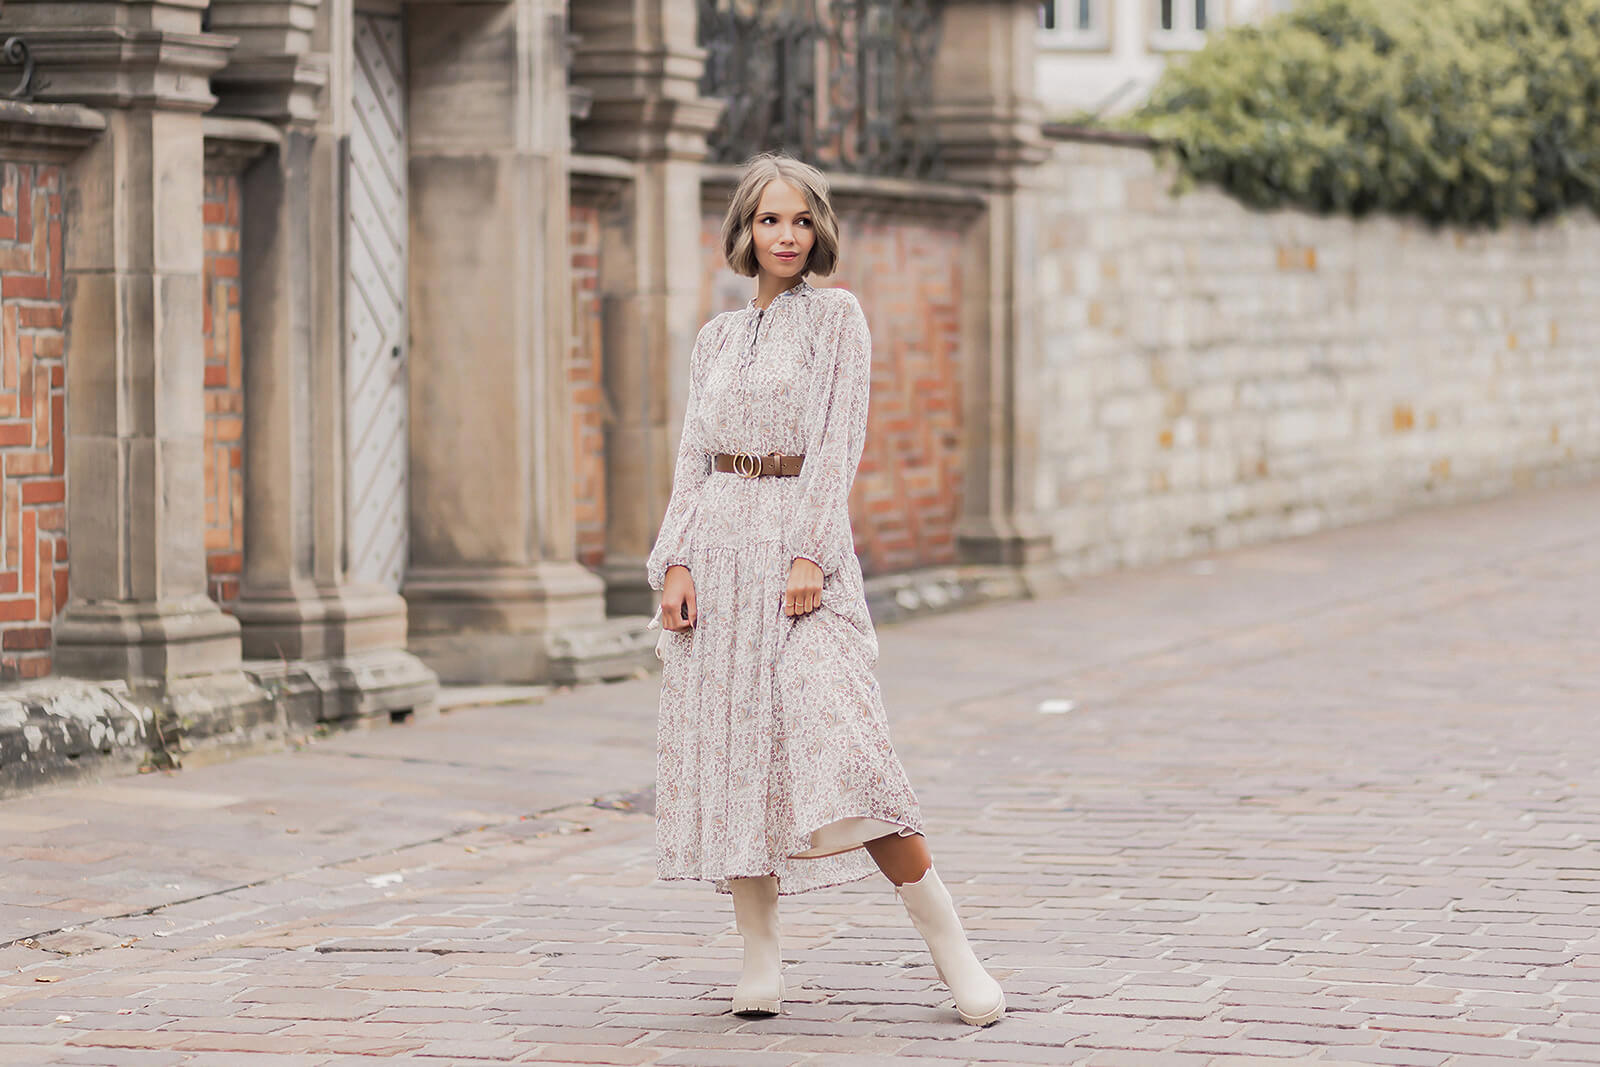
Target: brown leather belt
column 750, row 465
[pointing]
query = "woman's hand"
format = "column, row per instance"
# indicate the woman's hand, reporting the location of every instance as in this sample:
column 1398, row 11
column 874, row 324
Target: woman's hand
column 804, row 593
column 677, row 592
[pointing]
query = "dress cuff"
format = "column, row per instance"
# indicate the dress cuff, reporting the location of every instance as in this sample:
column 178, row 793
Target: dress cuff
column 658, row 579
column 824, row 560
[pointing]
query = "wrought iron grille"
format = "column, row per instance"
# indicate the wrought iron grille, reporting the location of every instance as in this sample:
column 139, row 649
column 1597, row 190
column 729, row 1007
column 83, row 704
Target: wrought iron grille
column 835, row 82
column 14, row 53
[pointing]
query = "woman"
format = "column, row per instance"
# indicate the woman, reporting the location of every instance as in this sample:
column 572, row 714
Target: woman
column 774, row 771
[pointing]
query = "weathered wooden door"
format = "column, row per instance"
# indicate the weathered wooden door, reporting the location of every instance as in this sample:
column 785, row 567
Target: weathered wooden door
column 375, row 373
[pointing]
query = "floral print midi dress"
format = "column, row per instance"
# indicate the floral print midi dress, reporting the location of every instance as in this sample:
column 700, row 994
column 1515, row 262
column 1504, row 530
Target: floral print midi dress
column 773, row 751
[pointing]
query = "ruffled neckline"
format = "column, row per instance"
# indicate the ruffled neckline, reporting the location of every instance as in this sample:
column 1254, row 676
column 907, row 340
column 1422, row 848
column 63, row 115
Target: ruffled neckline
column 803, row 286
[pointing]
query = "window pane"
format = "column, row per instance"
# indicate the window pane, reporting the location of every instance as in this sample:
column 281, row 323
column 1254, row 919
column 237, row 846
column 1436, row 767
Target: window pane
column 1085, row 15
column 1166, row 14
column 1047, row 15
column 1199, row 14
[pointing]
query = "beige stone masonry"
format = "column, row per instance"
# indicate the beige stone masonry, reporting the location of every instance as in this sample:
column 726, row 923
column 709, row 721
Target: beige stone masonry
column 273, row 73
column 640, row 62
column 1217, row 376
column 494, row 589
column 137, row 608
column 122, row 53
column 986, row 115
column 339, row 644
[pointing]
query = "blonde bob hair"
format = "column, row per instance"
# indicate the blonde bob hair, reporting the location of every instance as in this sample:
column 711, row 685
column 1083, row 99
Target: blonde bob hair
column 738, row 241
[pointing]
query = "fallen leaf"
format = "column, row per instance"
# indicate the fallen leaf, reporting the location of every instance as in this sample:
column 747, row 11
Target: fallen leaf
column 47, row 978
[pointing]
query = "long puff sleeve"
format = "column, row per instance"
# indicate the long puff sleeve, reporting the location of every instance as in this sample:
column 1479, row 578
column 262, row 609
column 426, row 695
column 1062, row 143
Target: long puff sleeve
column 693, row 467
column 819, row 527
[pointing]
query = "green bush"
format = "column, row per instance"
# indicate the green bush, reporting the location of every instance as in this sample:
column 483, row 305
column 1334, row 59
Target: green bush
column 1460, row 111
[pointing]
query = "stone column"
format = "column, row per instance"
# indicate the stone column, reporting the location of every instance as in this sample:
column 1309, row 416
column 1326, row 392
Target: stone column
column 273, row 72
column 987, row 119
column 639, row 62
column 494, row 589
column 336, row 647
column 137, row 606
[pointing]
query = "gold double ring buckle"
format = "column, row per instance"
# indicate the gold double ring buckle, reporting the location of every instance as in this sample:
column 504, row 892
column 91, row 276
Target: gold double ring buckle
column 746, row 464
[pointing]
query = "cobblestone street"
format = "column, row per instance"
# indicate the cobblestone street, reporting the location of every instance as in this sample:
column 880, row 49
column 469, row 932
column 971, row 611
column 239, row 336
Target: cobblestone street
column 1328, row 801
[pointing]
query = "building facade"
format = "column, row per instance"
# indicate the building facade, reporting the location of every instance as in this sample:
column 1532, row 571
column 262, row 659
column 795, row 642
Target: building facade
column 343, row 343
column 345, row 339
column 1101, row 57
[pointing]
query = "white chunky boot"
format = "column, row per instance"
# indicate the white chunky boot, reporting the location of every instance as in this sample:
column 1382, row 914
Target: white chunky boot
column 755, row 911
column 979, row 998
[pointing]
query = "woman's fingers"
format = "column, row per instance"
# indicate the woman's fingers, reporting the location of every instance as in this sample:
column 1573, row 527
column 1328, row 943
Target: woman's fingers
column 803, row 593
column 678, row 611
column 801, row 603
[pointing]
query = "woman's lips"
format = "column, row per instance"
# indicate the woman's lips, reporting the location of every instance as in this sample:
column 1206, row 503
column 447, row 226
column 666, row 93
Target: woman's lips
column 787, row 255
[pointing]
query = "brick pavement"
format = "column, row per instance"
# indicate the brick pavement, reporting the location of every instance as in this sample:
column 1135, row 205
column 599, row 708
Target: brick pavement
column 1330, row 801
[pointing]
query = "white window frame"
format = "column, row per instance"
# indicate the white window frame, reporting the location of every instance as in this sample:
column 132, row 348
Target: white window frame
column 1184, row 35
column 1068, row 36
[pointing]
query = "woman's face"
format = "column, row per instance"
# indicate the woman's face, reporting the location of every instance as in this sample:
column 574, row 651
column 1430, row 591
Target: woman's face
column 783, row 231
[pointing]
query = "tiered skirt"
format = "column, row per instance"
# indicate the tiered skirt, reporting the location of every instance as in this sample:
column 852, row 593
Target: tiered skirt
column 773, row 747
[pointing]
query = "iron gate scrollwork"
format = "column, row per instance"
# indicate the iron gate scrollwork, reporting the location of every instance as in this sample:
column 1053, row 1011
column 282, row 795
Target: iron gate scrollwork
column 14, row 53
column 835, row 82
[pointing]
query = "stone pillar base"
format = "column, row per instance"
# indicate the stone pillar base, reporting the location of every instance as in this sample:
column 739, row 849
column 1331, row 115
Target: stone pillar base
column 627, row 590
column 146, row 640
column 333, row 655
column 615, row 648
column 219, row 713
column 300, row 624
column 528, row 625
column 989, row 539
column 349, row 690
column 610, row 649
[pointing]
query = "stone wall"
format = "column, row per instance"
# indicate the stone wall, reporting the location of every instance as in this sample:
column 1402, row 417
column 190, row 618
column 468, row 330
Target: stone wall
column 1215, row 376
column 584, row 373
column 224, row 371
column 33, row 579
column 906, row 270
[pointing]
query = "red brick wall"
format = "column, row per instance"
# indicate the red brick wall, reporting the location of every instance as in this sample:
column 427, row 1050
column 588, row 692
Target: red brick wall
column 907, row 274
column 224, row 370
column 33, row 513
column 584, row 377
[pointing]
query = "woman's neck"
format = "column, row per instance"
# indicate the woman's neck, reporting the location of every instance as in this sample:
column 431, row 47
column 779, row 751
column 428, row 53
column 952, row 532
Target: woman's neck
column 769, row 287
